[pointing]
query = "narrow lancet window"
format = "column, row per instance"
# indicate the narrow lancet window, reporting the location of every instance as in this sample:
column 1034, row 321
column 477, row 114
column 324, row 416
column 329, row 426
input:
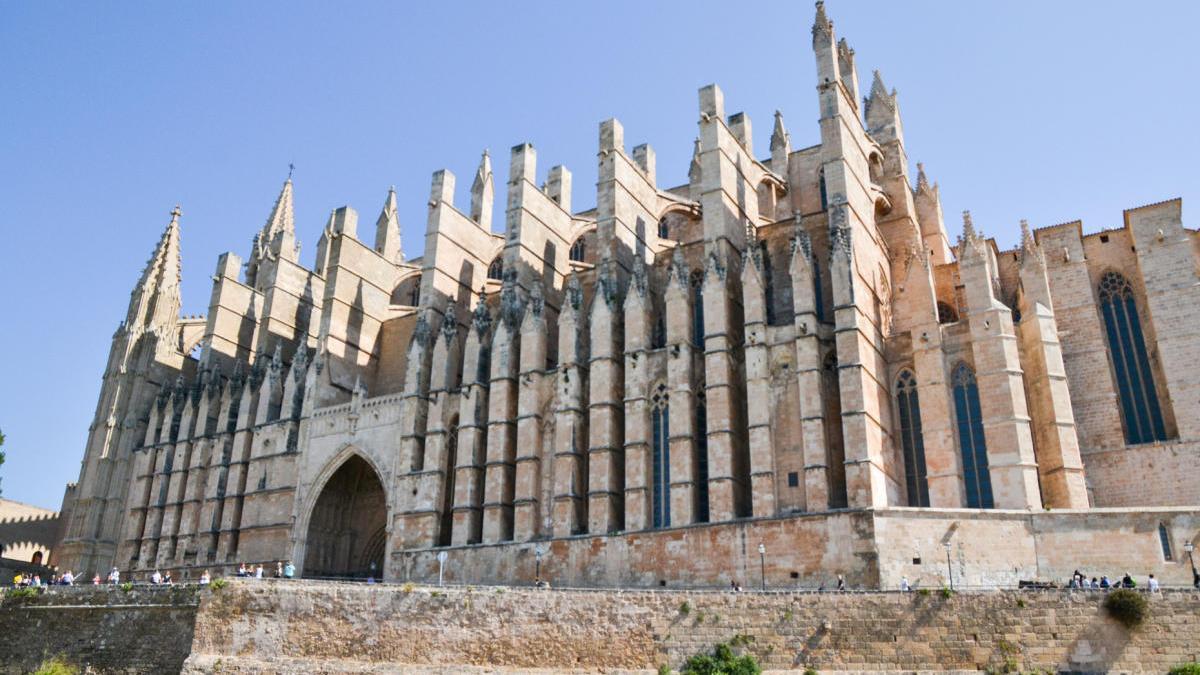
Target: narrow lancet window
column 971, row 442
column 911, row 441
column 1131, row 365
column 661, row 456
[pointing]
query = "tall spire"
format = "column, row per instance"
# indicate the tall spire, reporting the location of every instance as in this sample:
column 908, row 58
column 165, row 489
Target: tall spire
column 822, row 26
column 155, row 302
column 483, row 193
column 387, row 230
column 277, row 238
column 781, row 146
column 922, row 180
column 694, row 167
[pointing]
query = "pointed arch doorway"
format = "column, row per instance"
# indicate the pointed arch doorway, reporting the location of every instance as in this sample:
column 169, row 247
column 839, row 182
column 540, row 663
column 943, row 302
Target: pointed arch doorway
column 347, row 531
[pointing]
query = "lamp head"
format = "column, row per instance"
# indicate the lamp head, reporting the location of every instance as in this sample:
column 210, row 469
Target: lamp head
column 762, row 549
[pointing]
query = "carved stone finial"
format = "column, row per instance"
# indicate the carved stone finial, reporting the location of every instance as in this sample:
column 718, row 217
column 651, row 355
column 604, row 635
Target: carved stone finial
column 678, row 271
column 822, row 26
column 574, row 292
column 422, row 332
column 640, row 281
column 609, row 285
column 968, row 232
column 922, row 181
column 714, row 265
column 694, row 167
column 839, row 233
column 277, row 359
column 537, row 299
column 450, row 323
column 779, row 135
column 802, row 242
column 511, row 307
column 1030, row 251
column 300, row 363
column 481, row 318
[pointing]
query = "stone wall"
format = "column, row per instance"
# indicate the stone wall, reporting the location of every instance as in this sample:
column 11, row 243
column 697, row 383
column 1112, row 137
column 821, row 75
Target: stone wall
column 281, row 626
column 145, row 630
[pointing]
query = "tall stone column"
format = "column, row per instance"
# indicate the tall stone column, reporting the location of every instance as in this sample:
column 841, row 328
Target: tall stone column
column 682, row 364
column 527, row 504
column 502, row 414
column 176, row 481
column 808, row 373
column 606, row 445
column 139, row 492
column 727, row 461
column 759, row 408
column 1057, row 444
column 943, row 468
column 414, row 406
column 570, row 428
column 638, row 467
column 243, row 437
column 472, row 430
column 1011, row 461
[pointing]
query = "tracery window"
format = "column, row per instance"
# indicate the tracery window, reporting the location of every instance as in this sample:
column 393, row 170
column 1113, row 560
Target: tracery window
column 496, row 269
column 911, row 441
column 578, row 250
column 1135, row 384
column 660, row 419
column 971, row 441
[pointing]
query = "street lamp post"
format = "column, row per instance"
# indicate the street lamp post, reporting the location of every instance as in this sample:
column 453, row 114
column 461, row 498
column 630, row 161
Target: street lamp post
column 1189, row 547
column 762, row 565
column 949, row 568
column 537, row 554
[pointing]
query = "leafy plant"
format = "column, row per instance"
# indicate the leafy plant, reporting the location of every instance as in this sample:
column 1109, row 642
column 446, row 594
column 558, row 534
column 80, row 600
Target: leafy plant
column 664, row 669
column 1128, row 607
column 21, row 593
column 685, row 608
column 408, row 587
column 946, row 593
column 741, row 640
column 127, row 586
column 787, row 615
column 56, row 666
column 721, row 662
column 1021, row 603
column 217, row 584
column 810, row 671
column 923, row 592
column 1192, row 668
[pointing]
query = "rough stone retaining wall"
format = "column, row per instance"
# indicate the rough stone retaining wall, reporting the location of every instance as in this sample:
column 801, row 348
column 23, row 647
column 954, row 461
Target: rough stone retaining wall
column 104, row 629
column 267, row 626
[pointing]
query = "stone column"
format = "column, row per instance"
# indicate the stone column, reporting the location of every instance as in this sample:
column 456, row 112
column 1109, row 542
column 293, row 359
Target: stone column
column 681, row 388
column 727, row 470
column 570, row 428
column 759, row 408
column 176, row 481
column 1057, row 446
column 638, row 468
column 808, row 373
column 606, row 389
column 243, row 437
column 1011, row 462
column 472, row 430
column 414, row 406
column 502, row 413
column 140, row 490
column 527, row 503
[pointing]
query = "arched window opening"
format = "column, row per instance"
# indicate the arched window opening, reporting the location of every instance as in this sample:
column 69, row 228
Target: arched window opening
column 578, row 250
column 971, row 441
column 496, row 269
column 660, row 418
column 697, row 283
column 701, row 457
column 946, row 313
column 1140, row 410
column 821, row 187
column 875, row 168
column 37, row 558
column 912, row 442
column 447, row 520
column 664, row 231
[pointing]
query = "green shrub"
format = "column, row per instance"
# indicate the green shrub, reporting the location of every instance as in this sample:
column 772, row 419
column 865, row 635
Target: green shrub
column 664, row 669
column 217, row 584
column 810, row 671
column 127, row 586
column 408, row 587
column 1127, row 606
column 1192, row 668
column 1021, row 603
column 721, row 662
column 946, row 593
column 685, row 608
column 56, row 666
column 923, row 592
column 21, row 593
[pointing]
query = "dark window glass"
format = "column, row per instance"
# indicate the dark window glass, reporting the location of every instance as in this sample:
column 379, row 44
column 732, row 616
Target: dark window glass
column 701, row 458
column 697, row 281
column 1131, row 365
column 1164, row 538
column 661, row 458
column 793, row 479
column 946, row 313
column 578, row 250
column 970, row 439
column 496, row 269
column 818, row 300
column 911, row 441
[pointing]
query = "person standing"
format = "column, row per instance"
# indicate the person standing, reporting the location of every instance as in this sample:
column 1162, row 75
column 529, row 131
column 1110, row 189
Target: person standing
column 278, row 569
column 1154, row 588
column 841, row 583
column 258, row 571
column 204, row 578
column 904, row 584
column 156, row 578
column 114, row 577
column 289, row 570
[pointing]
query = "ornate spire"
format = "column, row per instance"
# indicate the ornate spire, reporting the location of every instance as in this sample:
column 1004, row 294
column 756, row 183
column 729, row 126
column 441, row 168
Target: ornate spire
column 822, row 26
column 280, row 231
column 1030, row 251
column 694, row 167
column 922, row 181
column 387, row 230
column 968, row 232
column 779, row 135
column 155, row 302
column 483, row 193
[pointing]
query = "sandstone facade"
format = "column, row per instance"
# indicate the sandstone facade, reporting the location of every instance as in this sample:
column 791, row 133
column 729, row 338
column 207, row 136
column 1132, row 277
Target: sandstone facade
column 784, row 348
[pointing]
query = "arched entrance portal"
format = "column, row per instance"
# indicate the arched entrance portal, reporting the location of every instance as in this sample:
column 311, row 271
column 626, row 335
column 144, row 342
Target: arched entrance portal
column 347, row 530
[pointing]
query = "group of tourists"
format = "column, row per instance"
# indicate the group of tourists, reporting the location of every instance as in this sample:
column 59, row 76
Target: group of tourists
column 1080, row 580
column 283, row 570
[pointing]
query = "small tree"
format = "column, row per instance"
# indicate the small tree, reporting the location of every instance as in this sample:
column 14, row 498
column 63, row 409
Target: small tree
column 1127, row 606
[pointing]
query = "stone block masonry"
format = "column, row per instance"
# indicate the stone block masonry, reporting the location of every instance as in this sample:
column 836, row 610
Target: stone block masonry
column 101, row 628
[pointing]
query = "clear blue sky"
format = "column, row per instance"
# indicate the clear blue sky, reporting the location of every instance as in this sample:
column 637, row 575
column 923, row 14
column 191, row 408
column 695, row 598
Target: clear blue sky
column 110, row 113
